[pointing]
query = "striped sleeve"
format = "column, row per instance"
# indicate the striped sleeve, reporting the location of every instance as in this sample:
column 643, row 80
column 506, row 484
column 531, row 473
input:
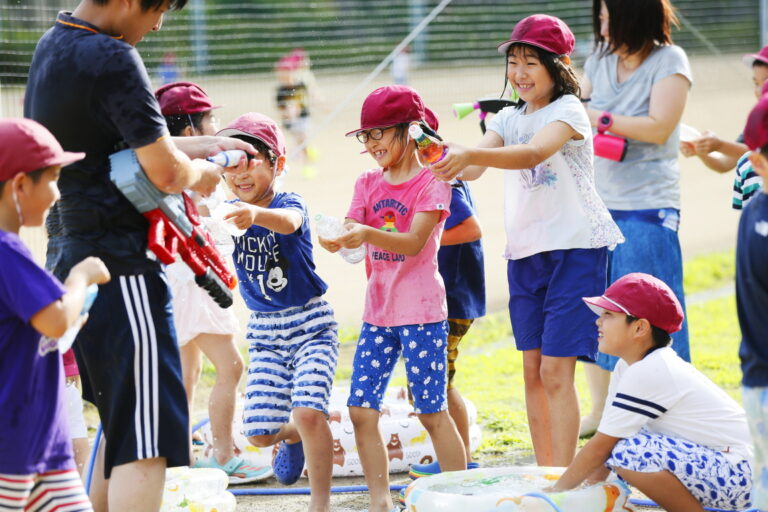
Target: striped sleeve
column 746, row 183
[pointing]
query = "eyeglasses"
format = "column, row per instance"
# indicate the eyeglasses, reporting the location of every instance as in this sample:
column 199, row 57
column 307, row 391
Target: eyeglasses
column 372, row 134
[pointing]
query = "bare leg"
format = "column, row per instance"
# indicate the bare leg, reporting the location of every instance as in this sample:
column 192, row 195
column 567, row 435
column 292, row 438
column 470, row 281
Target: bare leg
column 288, row 433
column 318, row 452
column 446, row 440
column 191, row 367
column 597, row 381
column 373, row 457
column 537, row 407
column 81, row 450
column 137, row 486
column 99, row 485
column 664, row 488
column 557, row 376
column 458, row 411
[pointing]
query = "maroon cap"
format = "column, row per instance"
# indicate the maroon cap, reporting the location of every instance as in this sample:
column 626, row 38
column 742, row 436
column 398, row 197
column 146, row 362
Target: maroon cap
column 388, row 106
column 259, row 127
column 642, row 296
column 756, row 130
column 762, row 56
column 26, row 146
column 431, row 119
column 543, row 31
column 181, row 98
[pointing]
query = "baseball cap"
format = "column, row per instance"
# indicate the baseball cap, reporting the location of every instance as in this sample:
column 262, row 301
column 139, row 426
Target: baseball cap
column 543, row 31
column 388, row 106
column 258, row 126
column 26, row 145
column 642, row 296
column 756, row 130
column 750, row 58
column 431, row 119
column 180, row 98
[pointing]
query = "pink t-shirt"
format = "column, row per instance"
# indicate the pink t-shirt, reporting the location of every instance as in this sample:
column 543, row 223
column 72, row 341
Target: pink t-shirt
column 402, row 290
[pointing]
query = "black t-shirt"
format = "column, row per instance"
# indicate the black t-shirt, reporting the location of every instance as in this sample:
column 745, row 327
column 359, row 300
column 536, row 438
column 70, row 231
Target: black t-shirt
column 93, row 93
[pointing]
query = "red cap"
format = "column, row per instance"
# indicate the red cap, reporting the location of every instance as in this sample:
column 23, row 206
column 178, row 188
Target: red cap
column 431, row 119
column 27, row 146
column 756, row 130
column 181, row 98
column 288, row 63
column 543, row 31
column 642, row 296
column 390, row 105
column 259, row 127
column 750, row 58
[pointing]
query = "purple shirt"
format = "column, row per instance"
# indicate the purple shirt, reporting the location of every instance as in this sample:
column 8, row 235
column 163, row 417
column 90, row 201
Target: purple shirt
column 34, row 437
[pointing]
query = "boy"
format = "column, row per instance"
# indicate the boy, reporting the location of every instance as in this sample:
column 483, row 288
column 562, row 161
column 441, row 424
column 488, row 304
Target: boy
column 88, row 86
column 35, row 309
column 666, row 428
column 752, row 302
column 291, row 331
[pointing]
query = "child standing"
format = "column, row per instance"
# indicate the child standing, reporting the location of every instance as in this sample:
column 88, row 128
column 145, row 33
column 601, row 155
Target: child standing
column 667, row 429
column 398, row 209
column 35, row 450
column 752, row 302
column 291, row 331
column 558, row 229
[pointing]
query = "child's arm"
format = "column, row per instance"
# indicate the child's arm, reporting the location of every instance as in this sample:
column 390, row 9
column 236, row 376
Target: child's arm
column 54, row 320
column 470, row 172
column 545, row 143
column 280, row 220
column 589, row 459
column 466, row 231
column 409, row 243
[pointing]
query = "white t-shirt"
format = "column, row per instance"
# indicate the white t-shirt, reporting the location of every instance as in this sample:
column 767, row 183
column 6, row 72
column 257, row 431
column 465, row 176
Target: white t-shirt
column 553, row 206
column 666, row 395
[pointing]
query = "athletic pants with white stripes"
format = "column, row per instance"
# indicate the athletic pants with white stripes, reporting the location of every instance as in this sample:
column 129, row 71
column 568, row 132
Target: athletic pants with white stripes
column 59, row 491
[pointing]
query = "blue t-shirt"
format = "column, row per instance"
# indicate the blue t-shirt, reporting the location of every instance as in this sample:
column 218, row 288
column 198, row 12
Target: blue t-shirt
column 277, row 271
column 752, row 291
column 93, row 93
column 34, row 437
column 461, row 265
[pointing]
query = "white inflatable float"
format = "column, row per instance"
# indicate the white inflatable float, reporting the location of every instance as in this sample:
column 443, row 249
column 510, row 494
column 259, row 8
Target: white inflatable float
column 511, row 489
column 197, row 490
column 407, row 440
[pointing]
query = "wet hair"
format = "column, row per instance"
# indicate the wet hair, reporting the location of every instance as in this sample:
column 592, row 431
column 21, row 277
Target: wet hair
column 177, row 123
column 175, row 5
column 33, row 175
column 635, row 26
column 260, row 146
column 561, row 73
column 659, row 337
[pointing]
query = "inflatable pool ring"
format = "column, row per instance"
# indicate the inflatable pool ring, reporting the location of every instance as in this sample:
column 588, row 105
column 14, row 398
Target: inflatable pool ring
column 197, row 490
column 407, row 440
column 511, row 489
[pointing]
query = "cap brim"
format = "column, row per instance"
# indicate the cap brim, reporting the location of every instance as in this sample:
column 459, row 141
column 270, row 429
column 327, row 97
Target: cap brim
column 750, row 59
column 67, row 158
column 600, row 304
column 229, row 132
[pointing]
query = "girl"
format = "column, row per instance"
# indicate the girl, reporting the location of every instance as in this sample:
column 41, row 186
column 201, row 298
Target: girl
column 398, row 209
column 638, row 81
column 558, row 230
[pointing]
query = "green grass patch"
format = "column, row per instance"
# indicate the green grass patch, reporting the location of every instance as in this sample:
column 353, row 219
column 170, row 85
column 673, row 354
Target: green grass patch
column 709, row 271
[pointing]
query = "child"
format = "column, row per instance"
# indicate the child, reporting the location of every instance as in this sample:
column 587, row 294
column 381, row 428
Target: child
column 722, row 155
column 558, row 229
column 291, row 331
column 752, row 302
column 35, row 450
column 405, row 307
column 202, row 326
column 460, row 262
column 666, row 429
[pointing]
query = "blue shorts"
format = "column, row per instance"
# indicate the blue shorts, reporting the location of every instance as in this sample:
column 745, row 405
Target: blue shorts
column 424, row 348
column 652, row 246
column 545, row 305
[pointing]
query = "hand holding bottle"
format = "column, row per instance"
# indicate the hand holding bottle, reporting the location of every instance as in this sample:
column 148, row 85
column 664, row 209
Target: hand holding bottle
column 330, row 229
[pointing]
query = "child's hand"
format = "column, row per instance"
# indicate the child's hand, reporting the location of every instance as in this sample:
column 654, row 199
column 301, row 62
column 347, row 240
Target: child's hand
column 455, row 161
column 354, row 237
column 210, row 176
column 707, row 143
column 687, row 148
column 93, row 270
column 330, row 245
column 243, row 216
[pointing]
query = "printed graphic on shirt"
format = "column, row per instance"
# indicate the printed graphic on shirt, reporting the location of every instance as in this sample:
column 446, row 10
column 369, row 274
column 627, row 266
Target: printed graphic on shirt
column 261, row 257
column 47, row 345
column 539, row 175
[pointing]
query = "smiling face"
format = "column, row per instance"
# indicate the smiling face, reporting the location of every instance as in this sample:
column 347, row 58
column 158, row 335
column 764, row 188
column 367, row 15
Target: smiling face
column 388, row 151
column 255, row 184
column 759, row 75
column 529, row 77
column 613, row 332
column 35, row 196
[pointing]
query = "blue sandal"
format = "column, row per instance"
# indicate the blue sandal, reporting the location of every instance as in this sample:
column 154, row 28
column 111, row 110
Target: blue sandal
column 289, row 463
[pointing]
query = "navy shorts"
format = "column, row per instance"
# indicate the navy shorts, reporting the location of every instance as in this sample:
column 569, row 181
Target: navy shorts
column 545, row 305
column 130, row 368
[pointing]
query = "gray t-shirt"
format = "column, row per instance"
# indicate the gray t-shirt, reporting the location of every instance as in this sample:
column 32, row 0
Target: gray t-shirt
column 649, row 176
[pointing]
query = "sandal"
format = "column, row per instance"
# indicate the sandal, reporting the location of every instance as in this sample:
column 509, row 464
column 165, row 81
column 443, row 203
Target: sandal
column 289, row 463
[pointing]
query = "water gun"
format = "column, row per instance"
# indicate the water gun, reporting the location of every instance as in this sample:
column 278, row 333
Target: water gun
column 485, row 106
column 174, row 227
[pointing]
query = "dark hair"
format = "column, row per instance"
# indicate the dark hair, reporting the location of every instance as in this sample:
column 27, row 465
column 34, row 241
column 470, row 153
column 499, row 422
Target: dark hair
column 177, row 122
column 759, row 64
column 634, row 26
column 562, row 74
column 764, row 151
column 175, row 5
column 660, row 337
column 260, row 146
column 34, row 176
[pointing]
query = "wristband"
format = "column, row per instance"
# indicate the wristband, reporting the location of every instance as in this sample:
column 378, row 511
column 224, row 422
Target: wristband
column 604, row 122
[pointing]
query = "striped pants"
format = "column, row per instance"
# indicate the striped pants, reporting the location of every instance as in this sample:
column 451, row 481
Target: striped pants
column 59, row 491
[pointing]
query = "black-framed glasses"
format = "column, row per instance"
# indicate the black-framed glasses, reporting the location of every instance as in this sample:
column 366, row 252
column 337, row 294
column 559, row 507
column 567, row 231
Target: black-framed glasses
column 372, row 134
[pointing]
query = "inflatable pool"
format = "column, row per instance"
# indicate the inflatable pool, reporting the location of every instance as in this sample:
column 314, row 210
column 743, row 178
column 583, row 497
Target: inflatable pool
column 511, row 489
column 407, row 440
column 197, row 490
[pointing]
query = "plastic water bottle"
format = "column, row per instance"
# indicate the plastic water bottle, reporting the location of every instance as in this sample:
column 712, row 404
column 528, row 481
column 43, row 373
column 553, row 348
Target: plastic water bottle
column 331, row 227
column 66, row 341
column 197, row 490
column 430, row 150
column 227, row 158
